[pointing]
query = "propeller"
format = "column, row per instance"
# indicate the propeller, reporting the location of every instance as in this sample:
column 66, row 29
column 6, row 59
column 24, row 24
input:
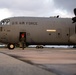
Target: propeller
column 75, row 11
column 74, row 18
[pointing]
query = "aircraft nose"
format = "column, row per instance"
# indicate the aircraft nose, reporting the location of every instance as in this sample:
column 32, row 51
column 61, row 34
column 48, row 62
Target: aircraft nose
column 0, row 36
column 1, row 29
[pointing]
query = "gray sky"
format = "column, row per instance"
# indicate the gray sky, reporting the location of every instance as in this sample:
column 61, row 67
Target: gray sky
column 40, row 8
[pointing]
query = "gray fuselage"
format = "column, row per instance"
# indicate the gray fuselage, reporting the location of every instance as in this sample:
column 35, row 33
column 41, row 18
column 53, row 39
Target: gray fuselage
column 43, row 31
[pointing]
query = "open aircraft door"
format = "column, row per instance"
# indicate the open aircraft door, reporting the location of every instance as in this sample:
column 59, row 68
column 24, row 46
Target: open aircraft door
column 20, row 36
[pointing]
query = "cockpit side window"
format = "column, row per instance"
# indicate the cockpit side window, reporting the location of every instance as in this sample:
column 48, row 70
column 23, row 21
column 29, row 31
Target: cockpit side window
column 5, row 22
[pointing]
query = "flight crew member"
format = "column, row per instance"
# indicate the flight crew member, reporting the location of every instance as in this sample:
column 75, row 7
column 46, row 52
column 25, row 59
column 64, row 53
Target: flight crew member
column 23, row 41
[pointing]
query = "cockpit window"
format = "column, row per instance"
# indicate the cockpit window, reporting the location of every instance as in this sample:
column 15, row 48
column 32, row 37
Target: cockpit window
column 5, row 22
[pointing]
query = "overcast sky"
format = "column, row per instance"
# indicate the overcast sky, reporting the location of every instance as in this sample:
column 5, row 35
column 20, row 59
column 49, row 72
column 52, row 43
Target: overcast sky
column 40, row 8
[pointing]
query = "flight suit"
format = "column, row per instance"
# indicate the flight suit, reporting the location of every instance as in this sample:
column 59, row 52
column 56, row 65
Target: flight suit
column 23, row 42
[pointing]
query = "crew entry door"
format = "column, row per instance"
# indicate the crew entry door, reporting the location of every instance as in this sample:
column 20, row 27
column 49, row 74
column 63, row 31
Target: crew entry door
column 22, row 34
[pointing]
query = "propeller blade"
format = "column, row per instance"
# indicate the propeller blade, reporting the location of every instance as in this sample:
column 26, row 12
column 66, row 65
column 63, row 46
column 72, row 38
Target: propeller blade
column 75, row 11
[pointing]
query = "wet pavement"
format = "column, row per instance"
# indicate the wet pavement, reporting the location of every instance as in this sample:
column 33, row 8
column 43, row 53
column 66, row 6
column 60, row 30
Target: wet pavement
column 60, row 61
column 12, row 66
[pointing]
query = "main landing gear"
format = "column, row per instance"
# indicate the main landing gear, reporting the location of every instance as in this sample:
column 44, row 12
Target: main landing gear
column 39, row 46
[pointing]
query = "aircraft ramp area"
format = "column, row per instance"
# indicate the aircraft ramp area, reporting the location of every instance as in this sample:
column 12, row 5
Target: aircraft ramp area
column 11, row 66
column 32, row 61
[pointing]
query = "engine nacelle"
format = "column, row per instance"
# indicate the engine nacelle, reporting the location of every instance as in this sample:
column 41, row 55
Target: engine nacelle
column 73, row 38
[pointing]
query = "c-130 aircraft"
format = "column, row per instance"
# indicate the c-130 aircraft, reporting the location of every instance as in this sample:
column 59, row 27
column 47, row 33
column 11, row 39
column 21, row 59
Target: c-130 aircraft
column 38, row 31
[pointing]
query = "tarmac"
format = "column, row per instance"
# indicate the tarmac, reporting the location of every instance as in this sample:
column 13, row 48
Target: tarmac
column 12, row 66
column 32, row 61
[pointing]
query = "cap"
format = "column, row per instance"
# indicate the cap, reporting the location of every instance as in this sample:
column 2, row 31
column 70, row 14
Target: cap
column 22, row 35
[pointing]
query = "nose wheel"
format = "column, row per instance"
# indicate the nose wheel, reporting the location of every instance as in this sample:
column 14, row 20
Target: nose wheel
column 11, row 46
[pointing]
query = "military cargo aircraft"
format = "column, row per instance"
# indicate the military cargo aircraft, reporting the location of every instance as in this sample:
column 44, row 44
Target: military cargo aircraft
column 38, row 30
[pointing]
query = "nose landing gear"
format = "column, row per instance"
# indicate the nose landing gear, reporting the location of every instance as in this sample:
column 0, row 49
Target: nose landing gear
column 11, row 46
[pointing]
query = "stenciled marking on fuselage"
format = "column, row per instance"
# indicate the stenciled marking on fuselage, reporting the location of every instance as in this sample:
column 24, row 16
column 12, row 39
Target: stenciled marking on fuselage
column 31, row 23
